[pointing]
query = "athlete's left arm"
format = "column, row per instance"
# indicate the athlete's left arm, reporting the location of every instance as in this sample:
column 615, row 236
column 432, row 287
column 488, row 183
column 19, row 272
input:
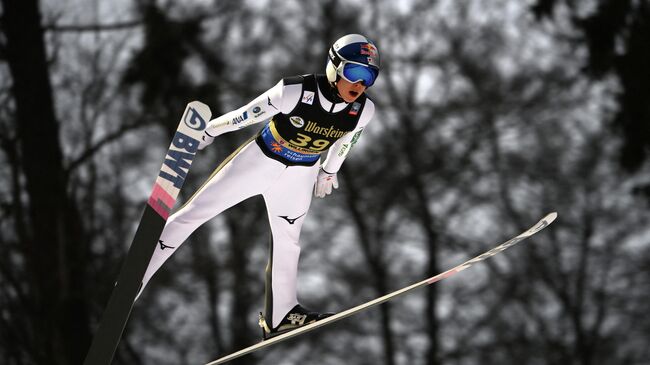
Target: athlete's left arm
column 341, row 148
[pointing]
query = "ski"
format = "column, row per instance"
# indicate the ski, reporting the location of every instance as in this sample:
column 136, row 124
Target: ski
column 170, row 179
column 544, row 222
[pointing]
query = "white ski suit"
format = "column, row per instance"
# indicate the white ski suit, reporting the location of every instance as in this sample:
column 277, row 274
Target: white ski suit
column 303, row 117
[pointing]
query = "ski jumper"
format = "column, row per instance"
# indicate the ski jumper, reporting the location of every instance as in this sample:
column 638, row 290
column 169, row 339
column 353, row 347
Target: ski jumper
column 303, row 117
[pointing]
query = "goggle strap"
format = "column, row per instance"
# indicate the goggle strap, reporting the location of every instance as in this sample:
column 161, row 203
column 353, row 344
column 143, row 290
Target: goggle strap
column 336, row 60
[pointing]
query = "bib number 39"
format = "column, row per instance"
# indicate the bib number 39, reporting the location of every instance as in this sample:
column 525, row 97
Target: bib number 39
column 303, row 140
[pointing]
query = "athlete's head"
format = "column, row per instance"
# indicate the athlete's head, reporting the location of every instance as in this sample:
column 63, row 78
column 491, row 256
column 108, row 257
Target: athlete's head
column 352, row 65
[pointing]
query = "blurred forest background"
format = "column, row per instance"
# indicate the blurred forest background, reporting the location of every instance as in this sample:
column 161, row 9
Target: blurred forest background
column 490, row 114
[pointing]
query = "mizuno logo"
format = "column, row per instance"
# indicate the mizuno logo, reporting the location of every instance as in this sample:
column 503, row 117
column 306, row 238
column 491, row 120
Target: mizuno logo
column 291, row 220
column 164, row 246
column 271, row 104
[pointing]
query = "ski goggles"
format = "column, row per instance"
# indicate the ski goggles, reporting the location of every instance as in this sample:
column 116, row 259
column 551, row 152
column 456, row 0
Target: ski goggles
column 355, row 72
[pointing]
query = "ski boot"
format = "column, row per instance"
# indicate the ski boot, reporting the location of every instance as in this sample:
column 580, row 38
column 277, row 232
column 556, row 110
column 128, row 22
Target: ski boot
column 296, row 318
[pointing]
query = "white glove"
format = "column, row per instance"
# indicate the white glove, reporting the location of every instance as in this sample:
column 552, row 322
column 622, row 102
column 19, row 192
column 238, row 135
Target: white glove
column 205, row 141
column 324, row 183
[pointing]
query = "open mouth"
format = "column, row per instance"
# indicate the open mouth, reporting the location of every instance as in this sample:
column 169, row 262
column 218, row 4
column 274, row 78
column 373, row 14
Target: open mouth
column 354, row 94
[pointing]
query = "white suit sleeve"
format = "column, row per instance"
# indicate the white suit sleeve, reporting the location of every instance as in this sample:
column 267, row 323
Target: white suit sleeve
column 277, row 99
column 341, row 148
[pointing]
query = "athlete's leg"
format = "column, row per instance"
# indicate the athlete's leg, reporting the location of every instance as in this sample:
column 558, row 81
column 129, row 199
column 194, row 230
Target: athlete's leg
column 245, row 173
column 287, row 203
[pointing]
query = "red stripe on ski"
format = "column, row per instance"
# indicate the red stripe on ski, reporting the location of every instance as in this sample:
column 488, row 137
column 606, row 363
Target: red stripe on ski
column 161, row 201
column 444, row 275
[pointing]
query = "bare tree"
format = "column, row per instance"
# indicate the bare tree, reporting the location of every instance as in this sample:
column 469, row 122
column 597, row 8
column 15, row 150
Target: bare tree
column 53, row 237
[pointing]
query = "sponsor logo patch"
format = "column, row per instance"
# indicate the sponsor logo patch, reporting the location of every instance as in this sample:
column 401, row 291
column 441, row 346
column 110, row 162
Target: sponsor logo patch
column 194, row 120
column 370, row 51
column 297, row 122
column 355, row 138
column 330, row 132
column 355, row 108
column 257, row 112
column 343, row 149
column 239, row 119
column 308, row 97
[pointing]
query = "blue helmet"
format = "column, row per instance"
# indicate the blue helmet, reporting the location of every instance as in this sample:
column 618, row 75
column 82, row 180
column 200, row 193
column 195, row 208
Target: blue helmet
column 354, row 58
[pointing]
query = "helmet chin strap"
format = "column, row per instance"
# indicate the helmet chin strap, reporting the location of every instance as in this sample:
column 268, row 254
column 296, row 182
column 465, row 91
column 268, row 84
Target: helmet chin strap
column 334, row 91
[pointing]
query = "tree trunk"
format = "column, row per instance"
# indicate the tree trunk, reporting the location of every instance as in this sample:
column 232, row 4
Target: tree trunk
column 426, row 218
column 375, row 265
column 55, row 252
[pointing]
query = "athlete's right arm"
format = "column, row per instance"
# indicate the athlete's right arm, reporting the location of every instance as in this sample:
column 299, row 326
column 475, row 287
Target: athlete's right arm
column 278, row 99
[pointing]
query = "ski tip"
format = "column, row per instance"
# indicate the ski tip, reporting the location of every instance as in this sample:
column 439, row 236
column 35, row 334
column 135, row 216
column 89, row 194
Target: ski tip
column 550, row 217
column 200, row 106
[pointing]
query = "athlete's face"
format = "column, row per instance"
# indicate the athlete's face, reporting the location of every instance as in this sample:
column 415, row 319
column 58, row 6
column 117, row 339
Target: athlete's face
column 350, row 91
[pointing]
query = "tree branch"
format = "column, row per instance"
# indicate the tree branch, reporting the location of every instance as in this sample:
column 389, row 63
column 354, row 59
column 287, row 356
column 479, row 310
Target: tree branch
column 92, row 27
column 90, row 152
column 79, row 28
